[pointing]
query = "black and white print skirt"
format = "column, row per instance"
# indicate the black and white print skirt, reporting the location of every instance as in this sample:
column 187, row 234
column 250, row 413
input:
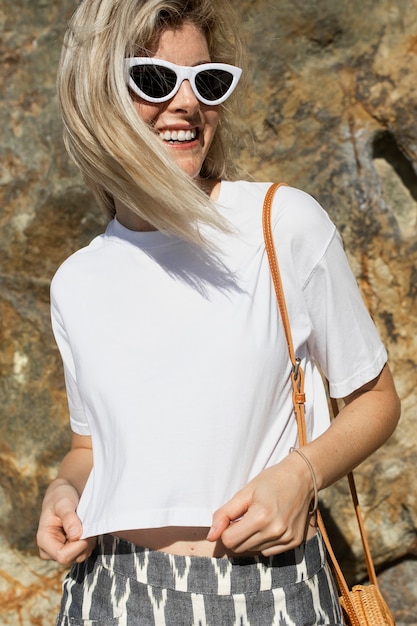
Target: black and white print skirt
column 122, row 584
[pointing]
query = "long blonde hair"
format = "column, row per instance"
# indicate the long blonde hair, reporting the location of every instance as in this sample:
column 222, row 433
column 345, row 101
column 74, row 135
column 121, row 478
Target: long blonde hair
column 118, row 155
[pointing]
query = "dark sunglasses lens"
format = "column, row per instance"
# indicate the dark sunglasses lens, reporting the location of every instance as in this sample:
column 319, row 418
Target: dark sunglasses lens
column 213, row 84
column 154, row 81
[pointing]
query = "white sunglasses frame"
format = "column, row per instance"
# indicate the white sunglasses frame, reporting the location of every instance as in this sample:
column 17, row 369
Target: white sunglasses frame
column 183, row 72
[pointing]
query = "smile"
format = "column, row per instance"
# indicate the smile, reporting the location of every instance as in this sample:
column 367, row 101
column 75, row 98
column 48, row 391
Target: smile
column 179, row 136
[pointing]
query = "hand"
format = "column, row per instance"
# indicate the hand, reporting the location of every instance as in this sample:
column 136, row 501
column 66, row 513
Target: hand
column 269, row 515
column 60, row 528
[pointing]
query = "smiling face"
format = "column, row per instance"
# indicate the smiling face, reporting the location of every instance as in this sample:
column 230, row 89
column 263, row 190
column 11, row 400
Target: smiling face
column 185, row 125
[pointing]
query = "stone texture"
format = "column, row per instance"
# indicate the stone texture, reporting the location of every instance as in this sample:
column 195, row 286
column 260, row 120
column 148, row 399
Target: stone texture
column 332, row 99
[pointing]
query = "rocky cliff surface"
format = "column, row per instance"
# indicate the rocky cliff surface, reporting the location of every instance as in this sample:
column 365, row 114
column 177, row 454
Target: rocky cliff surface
column 332, row 98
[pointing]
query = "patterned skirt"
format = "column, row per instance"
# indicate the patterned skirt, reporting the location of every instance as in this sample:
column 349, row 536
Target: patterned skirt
column 125, row 584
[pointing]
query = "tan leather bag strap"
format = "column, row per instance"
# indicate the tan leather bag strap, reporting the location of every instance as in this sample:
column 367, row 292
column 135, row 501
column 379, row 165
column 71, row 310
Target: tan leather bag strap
column 297, row 374
column 359, row 517
column 297, row 379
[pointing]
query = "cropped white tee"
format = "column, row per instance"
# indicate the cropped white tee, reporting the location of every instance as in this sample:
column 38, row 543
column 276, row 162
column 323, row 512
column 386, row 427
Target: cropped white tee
column 176, row 363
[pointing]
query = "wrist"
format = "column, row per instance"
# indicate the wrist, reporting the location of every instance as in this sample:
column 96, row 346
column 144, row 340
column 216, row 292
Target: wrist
column 315, row 492
column 58, row 486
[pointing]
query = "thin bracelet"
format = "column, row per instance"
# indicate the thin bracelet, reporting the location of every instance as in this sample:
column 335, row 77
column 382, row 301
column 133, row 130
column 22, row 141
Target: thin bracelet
column 313, row 476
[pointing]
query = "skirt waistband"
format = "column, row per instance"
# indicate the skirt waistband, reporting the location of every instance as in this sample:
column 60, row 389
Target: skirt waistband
column 220, row 576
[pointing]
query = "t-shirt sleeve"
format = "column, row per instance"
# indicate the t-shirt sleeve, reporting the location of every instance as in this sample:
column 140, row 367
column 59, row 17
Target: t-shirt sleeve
column 344, row 339
column 78, row 420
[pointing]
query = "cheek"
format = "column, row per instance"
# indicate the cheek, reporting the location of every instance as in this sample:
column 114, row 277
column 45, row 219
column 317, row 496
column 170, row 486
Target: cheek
column 148, row 112
column 212, row 121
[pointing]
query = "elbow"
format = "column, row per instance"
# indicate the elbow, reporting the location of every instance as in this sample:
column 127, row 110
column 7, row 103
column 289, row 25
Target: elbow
column 396, row 411
column 393, row 403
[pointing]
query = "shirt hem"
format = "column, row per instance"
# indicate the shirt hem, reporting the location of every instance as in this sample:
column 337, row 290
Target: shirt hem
column 201, row 519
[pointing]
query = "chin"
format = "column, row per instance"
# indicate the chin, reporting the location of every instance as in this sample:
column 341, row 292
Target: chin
column 192, row 171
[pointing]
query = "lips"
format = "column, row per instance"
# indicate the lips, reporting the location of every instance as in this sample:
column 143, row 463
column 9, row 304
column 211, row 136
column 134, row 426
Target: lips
column 178, row 136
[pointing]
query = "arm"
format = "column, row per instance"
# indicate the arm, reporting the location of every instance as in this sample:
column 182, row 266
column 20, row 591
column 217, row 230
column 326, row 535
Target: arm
column 271, row 512
column 60, row 529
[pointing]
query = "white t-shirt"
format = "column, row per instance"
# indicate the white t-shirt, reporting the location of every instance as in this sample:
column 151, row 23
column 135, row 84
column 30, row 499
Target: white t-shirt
column 176, row 362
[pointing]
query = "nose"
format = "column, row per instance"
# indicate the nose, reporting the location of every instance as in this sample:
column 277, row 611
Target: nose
column 185, row 98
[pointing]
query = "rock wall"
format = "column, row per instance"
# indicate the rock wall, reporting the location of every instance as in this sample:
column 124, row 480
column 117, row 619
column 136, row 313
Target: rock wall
column 332, row 99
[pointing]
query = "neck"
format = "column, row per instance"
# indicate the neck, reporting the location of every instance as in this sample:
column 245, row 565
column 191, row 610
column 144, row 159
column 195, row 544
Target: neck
column 210, row 187
column 131, row 220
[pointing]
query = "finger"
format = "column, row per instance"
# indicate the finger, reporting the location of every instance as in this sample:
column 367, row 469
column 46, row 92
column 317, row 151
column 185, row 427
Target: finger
column 279, row 548
column 46, row 556
column 86, row 546
column 258, row 543
column 253, row 521
column 228, row 514
column 260, row 528
column 74, row 552
column 66, row 520
column 50, row 539
column 72, row 526
column 56, row 547
column 273, row 539
column 53, row 540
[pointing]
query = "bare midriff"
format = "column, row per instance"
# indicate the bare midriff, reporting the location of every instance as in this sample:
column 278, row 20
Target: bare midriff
column 185, row 541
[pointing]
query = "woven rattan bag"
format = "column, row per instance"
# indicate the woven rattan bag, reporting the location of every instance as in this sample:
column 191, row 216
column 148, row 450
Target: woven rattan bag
column 369, row 606
column 364, row 604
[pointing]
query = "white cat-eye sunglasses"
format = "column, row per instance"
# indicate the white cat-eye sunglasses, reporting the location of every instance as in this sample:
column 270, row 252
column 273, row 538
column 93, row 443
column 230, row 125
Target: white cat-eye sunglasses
column 156, row 80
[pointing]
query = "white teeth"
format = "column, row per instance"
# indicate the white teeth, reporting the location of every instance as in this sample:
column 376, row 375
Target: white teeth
column 181, row 135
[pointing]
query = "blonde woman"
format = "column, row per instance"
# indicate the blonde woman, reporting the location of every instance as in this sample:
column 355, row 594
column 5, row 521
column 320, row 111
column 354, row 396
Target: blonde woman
column 179, row 502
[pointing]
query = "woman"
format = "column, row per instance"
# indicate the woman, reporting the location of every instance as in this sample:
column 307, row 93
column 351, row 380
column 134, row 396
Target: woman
column 175, row 361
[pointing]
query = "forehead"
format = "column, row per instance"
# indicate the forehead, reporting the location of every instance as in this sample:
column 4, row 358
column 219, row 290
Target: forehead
column 185, row 45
